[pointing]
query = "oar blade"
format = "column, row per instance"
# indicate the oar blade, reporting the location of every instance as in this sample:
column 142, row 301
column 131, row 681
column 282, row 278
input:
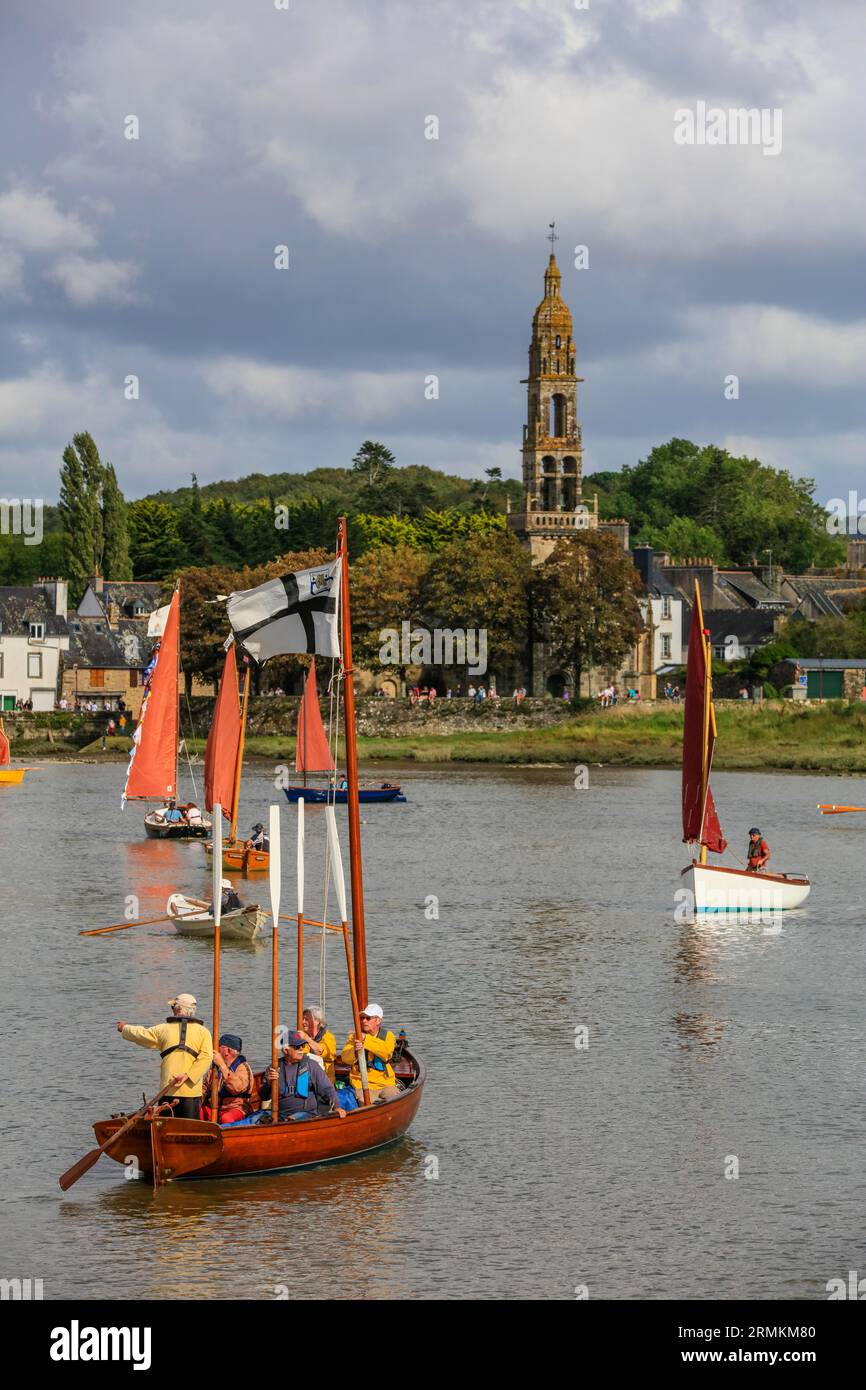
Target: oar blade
column 275, row 862
column 217, row 863
column 79, row 1169
column 300, row 856
column 336, row 861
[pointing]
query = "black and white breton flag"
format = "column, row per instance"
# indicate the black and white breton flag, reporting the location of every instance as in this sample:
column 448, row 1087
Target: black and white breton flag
column 296, row 613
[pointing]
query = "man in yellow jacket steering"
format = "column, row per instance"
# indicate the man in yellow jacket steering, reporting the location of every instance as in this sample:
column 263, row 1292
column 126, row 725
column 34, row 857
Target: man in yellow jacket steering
column 378, row 1047
column 186, row 1049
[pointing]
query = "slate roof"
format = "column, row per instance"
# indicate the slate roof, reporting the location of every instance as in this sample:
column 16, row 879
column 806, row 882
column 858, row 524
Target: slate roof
column 126, row 594
column 751, row 626
column 830, row 663
column 750, row 589
column 21, row 605
column 110, row 650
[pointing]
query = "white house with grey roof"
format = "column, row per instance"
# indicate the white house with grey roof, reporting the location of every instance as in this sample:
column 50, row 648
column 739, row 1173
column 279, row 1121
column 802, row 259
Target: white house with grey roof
column 33, row 635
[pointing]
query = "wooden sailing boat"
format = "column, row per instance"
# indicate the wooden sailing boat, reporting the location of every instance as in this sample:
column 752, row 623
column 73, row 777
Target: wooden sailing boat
column 714, row 887
column 167, row 1148
column 152, row 771
column 223, row 763
column 9, row 776
column 313, row 757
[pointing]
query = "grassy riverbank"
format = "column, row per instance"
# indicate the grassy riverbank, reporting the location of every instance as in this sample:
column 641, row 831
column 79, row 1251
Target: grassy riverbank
column 778, row 735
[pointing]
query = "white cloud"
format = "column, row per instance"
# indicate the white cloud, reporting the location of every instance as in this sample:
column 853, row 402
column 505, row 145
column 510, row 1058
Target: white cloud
column 762, row 343
column 91, row 281
column 32, row 221
column 299, row 393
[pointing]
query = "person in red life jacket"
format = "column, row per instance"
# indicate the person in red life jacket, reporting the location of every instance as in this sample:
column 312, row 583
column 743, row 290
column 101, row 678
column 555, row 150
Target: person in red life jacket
column 304, row 1089
column 237, row 1092
column 758, row 852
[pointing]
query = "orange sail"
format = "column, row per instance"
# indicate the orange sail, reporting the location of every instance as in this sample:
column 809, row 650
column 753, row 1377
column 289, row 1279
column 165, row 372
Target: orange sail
column 153, row 763
column 312, row 753
column 4, row 749
column 223, row 741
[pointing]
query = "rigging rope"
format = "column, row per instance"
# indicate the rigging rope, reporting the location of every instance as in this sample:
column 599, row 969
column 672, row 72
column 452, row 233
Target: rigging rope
column 183, row 742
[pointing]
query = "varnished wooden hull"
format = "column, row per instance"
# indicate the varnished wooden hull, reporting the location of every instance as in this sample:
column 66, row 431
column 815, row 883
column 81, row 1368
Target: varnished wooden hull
column 239, row 860
column 189, row 1148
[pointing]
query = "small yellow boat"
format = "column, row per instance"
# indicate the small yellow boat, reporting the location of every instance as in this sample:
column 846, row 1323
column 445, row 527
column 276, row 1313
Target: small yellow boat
column 9, row 776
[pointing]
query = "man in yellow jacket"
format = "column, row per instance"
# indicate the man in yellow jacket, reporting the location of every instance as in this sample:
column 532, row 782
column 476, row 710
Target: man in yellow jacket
column 378, row 1047
column 186, row 1048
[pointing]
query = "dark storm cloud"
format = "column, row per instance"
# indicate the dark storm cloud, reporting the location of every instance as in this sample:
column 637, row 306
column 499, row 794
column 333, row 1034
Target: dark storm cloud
column 411, row 257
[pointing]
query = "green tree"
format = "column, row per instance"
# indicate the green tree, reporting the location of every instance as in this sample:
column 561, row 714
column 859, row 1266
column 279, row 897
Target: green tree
column 746, row 505
column 482, row 583
column 154, row 539
column 585, row 602
column 386, row 586
column 116, row 563
column 374, row 466
column 80, row 510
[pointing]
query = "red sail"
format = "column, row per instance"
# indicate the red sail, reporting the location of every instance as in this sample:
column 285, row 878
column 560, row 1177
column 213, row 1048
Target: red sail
column 710, row 833
column 4, row 750
column 153, row 765
column 223, row 741
column 312, row 753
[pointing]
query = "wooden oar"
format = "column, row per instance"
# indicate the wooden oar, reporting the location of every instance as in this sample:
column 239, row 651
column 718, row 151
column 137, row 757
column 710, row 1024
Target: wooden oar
column 300, row 1000
column 838, row 810
column 140, row 922
column 340, row 885
column 81, row 1167
column 275, row 884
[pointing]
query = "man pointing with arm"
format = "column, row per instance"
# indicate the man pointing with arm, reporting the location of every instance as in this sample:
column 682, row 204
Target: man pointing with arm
column 186, row 1049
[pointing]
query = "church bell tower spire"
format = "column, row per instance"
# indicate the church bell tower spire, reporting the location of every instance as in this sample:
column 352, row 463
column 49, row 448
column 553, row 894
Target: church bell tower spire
column 552, row 448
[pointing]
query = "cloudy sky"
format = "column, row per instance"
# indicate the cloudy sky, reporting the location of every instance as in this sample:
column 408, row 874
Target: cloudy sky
column 305, row 126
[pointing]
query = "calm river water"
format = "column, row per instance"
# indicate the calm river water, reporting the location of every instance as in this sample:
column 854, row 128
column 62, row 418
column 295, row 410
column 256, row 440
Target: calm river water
column 558, row 1166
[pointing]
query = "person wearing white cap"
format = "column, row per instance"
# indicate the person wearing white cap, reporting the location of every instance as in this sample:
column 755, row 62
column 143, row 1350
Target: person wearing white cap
column 186, row 1049
column 378, row 1046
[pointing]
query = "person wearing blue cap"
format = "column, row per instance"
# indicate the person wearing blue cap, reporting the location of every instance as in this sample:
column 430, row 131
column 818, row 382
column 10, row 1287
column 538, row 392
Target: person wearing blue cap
column 304, row 1089
column 236, row 1089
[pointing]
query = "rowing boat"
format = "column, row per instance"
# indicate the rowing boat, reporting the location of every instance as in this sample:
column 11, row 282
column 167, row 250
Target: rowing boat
column 244, row 924
column 157, row 827
column 339, row 796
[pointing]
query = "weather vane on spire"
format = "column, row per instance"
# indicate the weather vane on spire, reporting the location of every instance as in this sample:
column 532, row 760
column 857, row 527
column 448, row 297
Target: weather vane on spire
column 553, row 237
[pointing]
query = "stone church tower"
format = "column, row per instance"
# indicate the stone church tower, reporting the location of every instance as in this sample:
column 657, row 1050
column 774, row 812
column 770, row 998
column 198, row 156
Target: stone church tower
column 553, row 505
column 552, row 449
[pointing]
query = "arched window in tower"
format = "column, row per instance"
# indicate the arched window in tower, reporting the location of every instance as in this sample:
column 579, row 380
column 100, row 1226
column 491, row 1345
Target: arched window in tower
column 569, row 484
column 548, row 484
column 558, row 341
column 559, row 416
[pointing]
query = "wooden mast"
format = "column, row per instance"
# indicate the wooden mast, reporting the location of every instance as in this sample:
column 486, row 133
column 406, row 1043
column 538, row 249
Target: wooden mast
column 275, row 884
column 179, row 674
column 359, row 940
column 237, row 787
column 216, row 889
